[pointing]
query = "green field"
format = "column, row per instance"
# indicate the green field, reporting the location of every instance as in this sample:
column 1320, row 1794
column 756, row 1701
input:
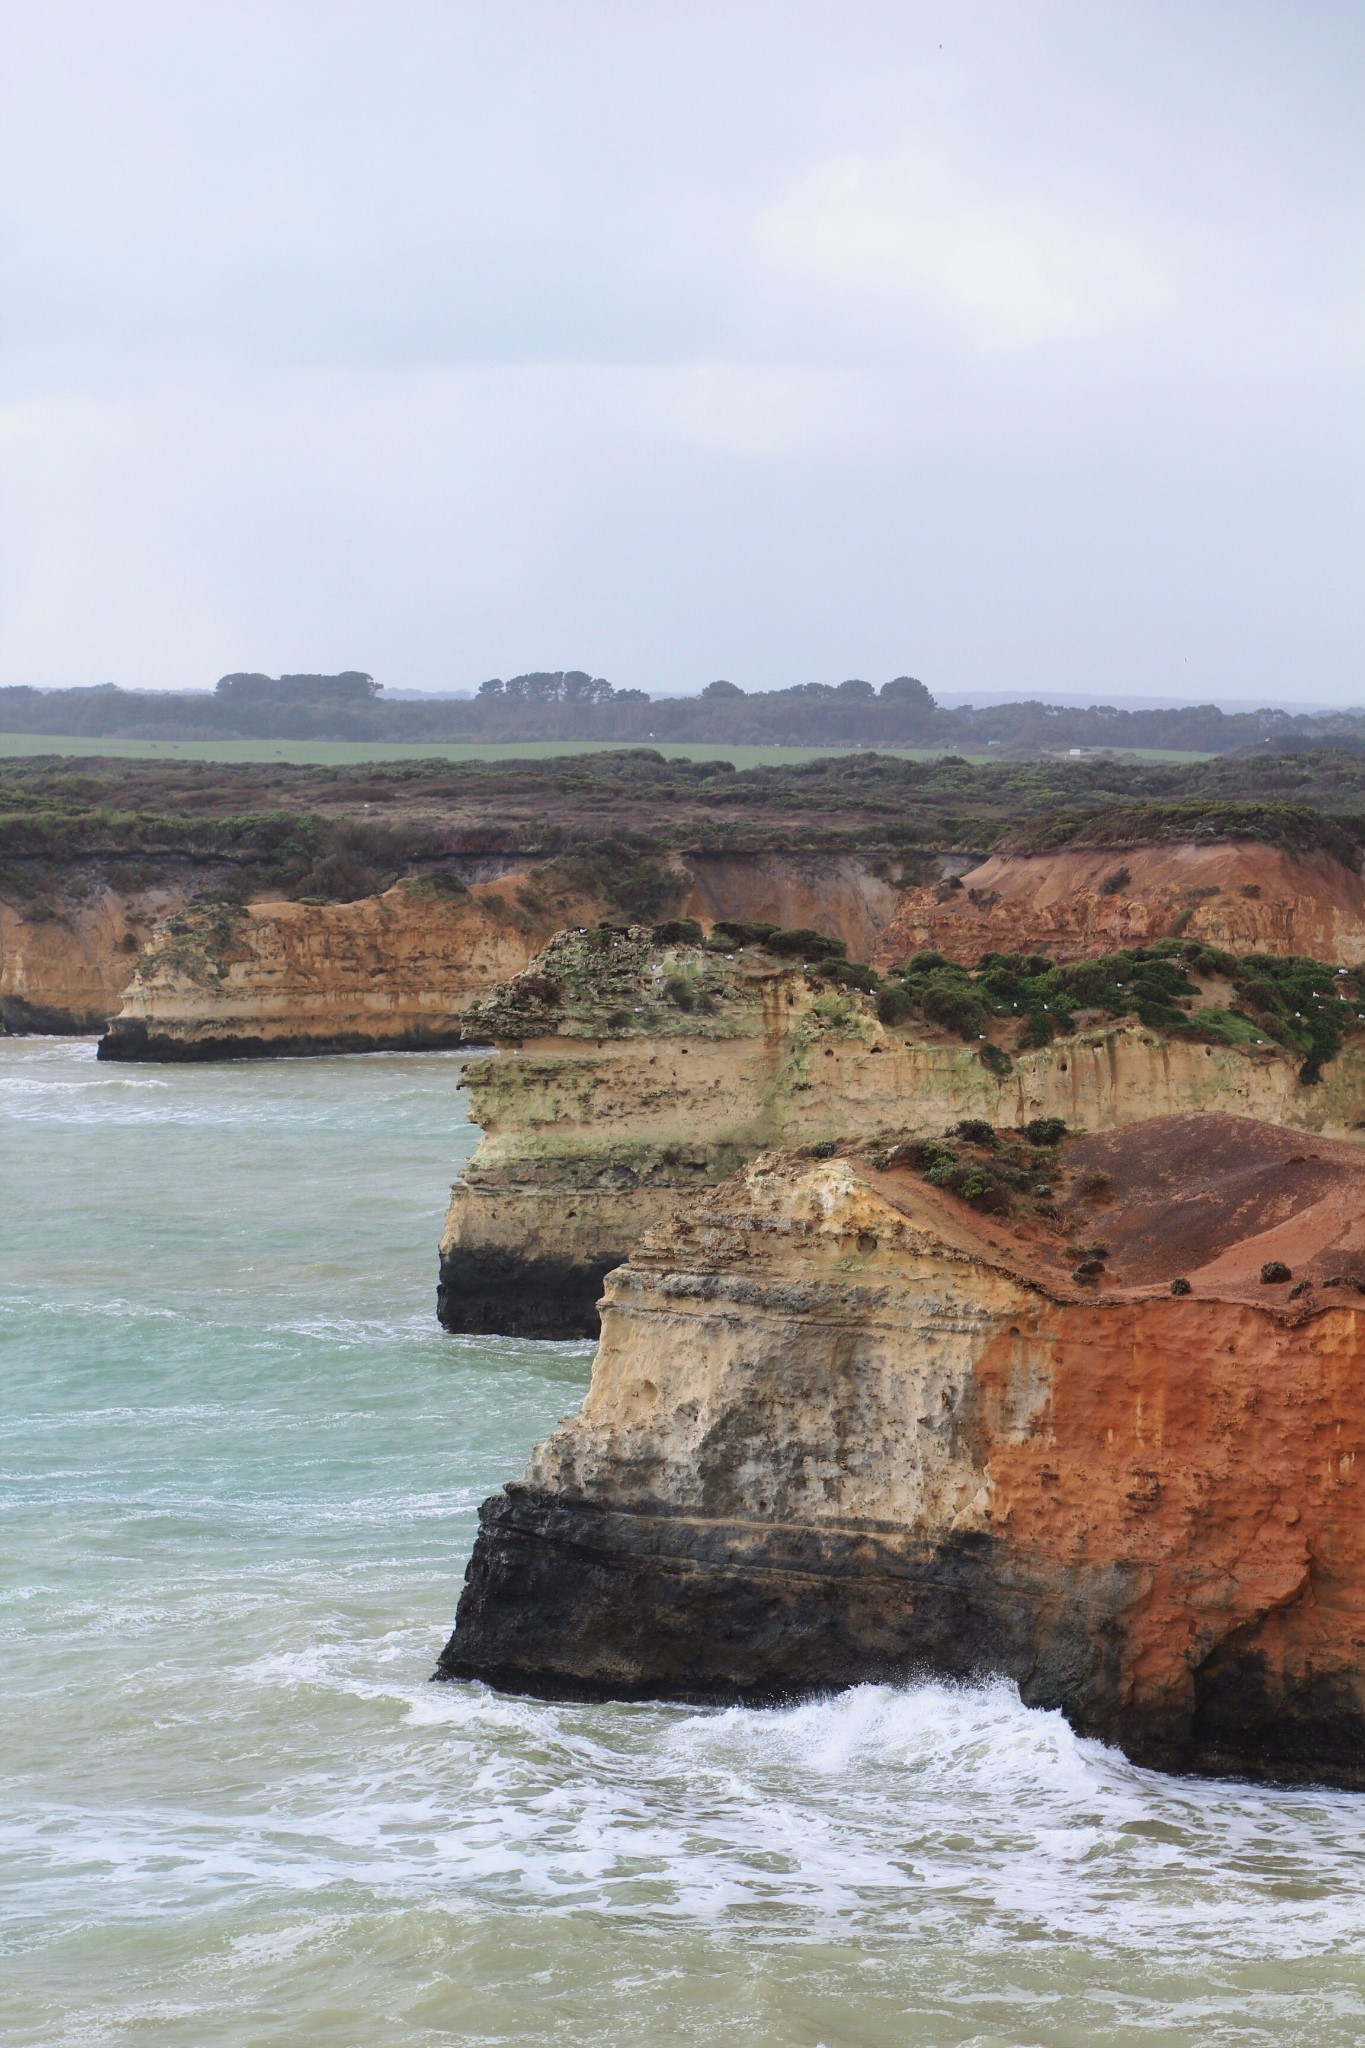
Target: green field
column 345, row 753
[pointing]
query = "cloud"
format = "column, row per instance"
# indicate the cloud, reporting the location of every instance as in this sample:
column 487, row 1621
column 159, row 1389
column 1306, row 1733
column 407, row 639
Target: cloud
column 739, row 339
column 747, row 409
column 1003, row 271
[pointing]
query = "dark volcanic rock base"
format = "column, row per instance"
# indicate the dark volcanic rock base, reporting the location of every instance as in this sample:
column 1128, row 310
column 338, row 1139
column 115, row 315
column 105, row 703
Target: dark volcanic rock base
column 132, row 1041
column 569, row 1600
column 19, row 1018
column 498, row 1294
column 572, row 1600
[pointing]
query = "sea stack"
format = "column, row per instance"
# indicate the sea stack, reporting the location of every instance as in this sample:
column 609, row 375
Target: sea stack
column 1084, row 1412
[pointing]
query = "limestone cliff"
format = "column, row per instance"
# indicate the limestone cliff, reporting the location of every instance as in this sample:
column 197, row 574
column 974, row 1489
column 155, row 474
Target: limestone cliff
column 646, row 1071
column 67, row 954
column 1240, row 895
column 219, row 980
column 832, row 893
column 397, row 970
column 844, row 1426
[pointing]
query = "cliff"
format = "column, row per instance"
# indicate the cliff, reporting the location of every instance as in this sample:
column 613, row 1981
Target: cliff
column 1240, row 895
column 845, row 1424
column 646, row 1070
column 397, row 970
column 67, row 954
column 837, row 894
column 94, row 856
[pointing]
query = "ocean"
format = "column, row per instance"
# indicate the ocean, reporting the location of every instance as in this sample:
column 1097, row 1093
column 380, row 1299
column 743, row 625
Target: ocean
column 241, row 1466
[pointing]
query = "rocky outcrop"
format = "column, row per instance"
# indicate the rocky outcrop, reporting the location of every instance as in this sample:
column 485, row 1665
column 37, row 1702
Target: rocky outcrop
column 1240, row 895
column 843, row 1426
column 68, row 952
column 643, row 1073
column 218, row 980
column 394, row 971
column 832, row 893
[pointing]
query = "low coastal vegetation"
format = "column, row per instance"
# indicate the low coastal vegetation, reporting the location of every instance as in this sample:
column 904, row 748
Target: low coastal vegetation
column 611, row 979
column 1297, row 828
column 1303, row 1005
column 996, row 1171
column 395, row 817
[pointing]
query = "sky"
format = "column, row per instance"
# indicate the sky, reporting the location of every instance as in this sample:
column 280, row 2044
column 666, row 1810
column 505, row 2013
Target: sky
column 1015, row 346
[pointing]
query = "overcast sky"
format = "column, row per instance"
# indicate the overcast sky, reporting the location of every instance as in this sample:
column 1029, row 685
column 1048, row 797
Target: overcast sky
column 1009, row 345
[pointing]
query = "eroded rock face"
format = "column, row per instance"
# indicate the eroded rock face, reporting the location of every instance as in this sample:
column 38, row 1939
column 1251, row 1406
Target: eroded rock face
column 841, row 1427
column 1242, row 896
column 618, row 1107
column 68, row 951
column 399, row 970
column 392, row 972
column 834, row 893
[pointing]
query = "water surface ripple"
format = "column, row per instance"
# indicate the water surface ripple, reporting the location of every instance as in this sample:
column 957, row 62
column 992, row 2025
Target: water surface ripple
column 240, row 1469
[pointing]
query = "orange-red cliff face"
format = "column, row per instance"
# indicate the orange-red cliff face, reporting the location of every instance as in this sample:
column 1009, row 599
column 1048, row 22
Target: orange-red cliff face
column 401, row 968
column 397, row 970
column 837, row 894
column 843, row 1426
column 1242, row 896
column 65, row 961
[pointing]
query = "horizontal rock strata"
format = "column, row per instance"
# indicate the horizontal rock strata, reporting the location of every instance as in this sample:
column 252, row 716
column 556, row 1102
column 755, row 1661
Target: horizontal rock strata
column 618, row 1105
column 68, row 953
column 389, row 972
column 1240, row 895
column 398, row 970
column 843, row 1427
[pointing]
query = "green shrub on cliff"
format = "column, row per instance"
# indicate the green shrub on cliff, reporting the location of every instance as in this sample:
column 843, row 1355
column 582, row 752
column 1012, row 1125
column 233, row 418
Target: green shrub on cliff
column 1294, row 827
column 945, row 994
column 994, row 1182
column 823, row 957
column 893, row 1004
column 1303, row 1005
column 630, row 871
column 732, row 933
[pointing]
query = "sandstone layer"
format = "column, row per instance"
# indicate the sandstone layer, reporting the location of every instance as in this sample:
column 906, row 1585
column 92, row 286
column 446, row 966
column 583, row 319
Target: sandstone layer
column 394, row 971
column 66, row 956
column 399, row 970
column 842, row 1427
column 1239, row 895
column 835, row 894
column 616, row 1106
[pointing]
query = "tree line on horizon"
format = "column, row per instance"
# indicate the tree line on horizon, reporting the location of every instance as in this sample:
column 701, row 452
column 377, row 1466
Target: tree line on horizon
column 570, row 704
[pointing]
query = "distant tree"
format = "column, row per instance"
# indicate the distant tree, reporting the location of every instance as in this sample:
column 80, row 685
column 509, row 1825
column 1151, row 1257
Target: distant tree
column 633, row 696
column 722, row 689
column 854, row 688
column 242, row 683
column 580, row 688
column 907, row 692
column 540, row 686
column 494, row 687
column 351, row 686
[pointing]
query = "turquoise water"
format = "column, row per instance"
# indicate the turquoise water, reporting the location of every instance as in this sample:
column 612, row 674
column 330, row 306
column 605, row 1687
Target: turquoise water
column 240, row 1467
